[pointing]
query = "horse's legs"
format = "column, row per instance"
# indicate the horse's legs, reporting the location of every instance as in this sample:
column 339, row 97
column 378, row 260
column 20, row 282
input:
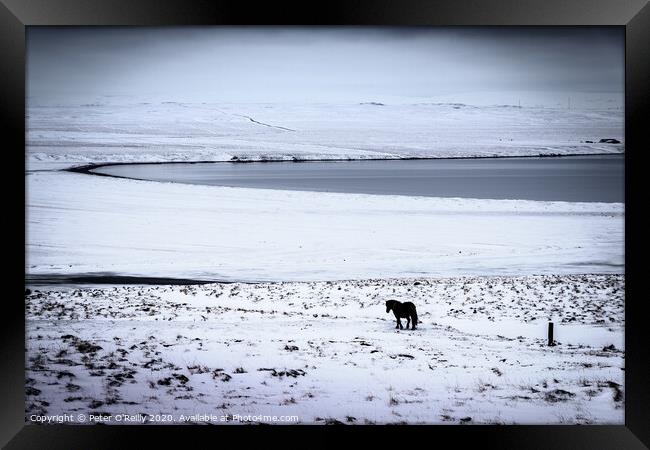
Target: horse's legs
column 408, row 322
column 399, row 324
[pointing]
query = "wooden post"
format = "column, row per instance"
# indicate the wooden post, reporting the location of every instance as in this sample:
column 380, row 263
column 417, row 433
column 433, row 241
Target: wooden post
column 550, row 334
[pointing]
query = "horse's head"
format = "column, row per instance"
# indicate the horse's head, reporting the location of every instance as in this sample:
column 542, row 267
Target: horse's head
column 389, row 305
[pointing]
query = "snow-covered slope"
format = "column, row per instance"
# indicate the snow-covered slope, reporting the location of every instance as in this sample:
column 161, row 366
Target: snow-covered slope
column 78, row 223
column 172, row 131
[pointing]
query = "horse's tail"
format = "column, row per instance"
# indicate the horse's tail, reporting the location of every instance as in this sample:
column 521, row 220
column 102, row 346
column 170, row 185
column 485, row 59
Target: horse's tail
column 414, row 317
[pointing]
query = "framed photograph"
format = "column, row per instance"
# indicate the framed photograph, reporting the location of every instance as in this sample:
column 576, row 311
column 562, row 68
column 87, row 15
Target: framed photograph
column 366, row 214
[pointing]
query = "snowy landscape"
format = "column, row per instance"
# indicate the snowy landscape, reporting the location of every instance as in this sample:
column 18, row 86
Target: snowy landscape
column 126, row 130
column 326, row 352
column 160, row 302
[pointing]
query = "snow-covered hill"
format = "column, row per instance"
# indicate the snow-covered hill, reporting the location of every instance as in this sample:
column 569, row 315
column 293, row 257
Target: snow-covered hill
column 172, row 131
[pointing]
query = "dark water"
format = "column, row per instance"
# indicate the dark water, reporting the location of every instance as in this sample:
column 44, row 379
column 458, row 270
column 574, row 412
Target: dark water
column 108, row 278
column 580, row 178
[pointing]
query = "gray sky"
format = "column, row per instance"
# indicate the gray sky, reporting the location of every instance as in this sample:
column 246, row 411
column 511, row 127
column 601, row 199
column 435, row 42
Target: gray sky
column 325, row 64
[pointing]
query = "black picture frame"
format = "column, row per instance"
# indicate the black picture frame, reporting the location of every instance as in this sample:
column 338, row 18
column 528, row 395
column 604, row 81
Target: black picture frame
column 634, row 15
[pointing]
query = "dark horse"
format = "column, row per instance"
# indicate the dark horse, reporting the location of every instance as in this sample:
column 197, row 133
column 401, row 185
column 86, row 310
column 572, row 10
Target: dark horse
column 403, row 310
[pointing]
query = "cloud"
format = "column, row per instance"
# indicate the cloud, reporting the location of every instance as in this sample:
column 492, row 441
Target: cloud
column 275, row 64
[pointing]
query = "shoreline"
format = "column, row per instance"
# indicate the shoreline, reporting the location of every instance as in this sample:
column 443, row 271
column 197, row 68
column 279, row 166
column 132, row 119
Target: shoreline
column 88, row 168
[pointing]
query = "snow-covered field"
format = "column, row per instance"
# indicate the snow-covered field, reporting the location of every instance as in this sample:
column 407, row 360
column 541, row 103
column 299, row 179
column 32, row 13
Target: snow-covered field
column 327, row 351
column 172, row 131
column 312, row 338
column 78, row 223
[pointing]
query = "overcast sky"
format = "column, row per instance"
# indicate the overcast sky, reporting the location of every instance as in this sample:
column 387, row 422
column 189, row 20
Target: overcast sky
column 271, row 64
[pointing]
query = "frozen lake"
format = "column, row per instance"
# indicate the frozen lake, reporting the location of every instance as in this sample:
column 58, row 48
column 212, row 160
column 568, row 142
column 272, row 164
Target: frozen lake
column 572, row 178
